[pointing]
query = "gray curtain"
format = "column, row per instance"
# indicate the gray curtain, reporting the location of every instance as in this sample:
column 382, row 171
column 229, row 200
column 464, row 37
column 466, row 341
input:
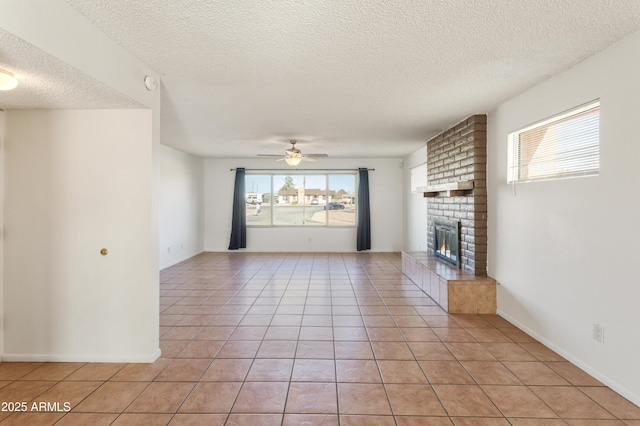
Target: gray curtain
column 364, row 213
column 239, row 219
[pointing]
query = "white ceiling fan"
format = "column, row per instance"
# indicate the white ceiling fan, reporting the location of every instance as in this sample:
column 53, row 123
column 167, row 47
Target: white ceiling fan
column 293, row 156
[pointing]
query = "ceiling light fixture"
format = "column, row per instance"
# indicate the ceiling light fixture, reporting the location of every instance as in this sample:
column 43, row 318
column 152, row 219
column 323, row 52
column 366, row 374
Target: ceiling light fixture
column 7, row 80
column 293, row 156
column 293, row 160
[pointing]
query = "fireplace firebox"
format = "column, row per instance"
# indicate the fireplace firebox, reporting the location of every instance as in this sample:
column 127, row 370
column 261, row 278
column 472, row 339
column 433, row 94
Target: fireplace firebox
column 447, row 241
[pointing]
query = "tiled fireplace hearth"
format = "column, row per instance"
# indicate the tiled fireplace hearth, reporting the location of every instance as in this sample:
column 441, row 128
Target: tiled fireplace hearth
column 454, row 271
column 456, row 291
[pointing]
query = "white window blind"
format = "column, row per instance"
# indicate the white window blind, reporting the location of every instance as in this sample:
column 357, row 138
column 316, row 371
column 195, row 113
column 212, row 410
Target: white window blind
column 566, row 145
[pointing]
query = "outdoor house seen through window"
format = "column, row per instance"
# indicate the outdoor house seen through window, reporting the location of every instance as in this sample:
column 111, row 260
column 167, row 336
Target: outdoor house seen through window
column 566, row 145
column 301, row 199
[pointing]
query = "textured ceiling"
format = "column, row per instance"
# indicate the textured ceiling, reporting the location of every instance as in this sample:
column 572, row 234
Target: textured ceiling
column 348, row 78
column 53, row 84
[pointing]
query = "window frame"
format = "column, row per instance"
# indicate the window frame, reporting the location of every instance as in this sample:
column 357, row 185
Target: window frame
column 273, row 206
column 515, row 164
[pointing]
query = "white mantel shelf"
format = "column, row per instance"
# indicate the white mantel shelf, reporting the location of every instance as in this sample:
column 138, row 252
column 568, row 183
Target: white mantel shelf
column 451, row 189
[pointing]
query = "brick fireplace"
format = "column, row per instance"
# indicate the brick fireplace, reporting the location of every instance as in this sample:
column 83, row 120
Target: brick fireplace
column 457, row 197
column 456, row 156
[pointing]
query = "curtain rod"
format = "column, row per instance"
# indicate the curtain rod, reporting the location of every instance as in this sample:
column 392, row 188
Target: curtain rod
column 302, row 170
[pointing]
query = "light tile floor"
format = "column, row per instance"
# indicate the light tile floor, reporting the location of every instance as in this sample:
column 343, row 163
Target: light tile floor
column 316, row 339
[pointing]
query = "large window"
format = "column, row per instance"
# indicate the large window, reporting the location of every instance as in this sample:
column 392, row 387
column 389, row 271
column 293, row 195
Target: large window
column 301, row 199
column 566, row 145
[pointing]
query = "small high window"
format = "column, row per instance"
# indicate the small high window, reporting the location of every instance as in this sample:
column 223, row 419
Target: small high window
column 565, row 145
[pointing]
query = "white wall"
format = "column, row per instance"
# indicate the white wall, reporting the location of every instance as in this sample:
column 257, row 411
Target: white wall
column 181, row 206
column 386, row 210
column 415, row 229
column 76, row 286
column 78, row 181
column 566, row 251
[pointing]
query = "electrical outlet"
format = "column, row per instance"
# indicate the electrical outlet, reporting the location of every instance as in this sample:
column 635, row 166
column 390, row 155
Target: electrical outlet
column 598, row 333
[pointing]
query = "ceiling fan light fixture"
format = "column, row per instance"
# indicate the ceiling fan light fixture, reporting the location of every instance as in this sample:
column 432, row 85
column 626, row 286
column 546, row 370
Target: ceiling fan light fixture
column 293, row 160
column 293, row 156
column 7, row 80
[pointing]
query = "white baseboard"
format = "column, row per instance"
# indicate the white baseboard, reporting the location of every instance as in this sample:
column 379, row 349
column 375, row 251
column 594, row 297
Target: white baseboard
column 81, row 358
column 622, row 390
column 181, row 259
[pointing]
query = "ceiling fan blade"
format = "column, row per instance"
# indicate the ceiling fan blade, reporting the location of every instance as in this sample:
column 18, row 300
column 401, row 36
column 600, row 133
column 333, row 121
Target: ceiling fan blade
column 269, row 155
column 315, row 155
